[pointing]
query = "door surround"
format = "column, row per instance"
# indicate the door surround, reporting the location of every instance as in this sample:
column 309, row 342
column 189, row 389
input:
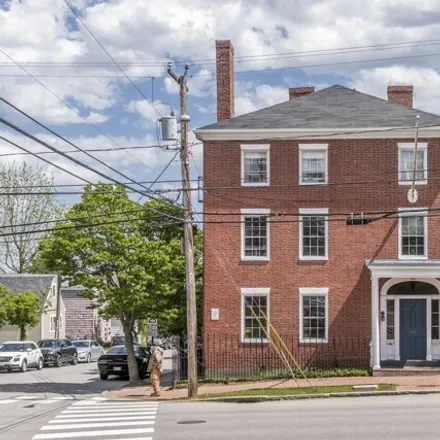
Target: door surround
column 383, row 307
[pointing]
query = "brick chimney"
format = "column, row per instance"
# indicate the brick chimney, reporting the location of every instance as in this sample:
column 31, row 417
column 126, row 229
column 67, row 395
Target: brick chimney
column 225, row 79
column 296, row 92
column 401, row 95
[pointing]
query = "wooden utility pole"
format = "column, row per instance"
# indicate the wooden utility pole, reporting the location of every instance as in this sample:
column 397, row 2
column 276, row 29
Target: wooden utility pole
column 191, row 311
column 58, row 309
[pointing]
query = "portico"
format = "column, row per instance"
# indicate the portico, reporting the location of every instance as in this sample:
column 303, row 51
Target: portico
column 404, row 311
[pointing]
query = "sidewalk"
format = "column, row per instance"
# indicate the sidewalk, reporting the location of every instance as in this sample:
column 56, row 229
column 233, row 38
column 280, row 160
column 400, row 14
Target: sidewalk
column 403, row 383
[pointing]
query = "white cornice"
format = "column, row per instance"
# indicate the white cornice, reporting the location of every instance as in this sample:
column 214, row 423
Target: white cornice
column 320, row 133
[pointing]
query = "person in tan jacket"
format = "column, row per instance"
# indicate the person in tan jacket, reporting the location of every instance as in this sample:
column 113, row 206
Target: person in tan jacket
column 155, row 368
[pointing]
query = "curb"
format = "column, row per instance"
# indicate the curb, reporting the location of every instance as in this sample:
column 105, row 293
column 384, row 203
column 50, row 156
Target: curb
column 258, row 399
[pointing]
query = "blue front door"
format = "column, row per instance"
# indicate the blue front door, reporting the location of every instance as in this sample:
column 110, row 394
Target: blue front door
column 412, row 329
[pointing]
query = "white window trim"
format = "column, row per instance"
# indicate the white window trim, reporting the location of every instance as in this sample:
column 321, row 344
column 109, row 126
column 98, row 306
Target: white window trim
column 425, row 228
column 306, row 212
column 312, row 291
column 52, row 330
column 254, row 291
column 250, row 212
column 255, row 148
column 410, row 147
column 313, row 147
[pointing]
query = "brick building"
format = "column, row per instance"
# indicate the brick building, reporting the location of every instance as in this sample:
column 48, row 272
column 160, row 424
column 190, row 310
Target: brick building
column 280, row 183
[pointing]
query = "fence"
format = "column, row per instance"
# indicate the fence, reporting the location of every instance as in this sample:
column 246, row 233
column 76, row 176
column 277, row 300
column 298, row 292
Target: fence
column 226, row 357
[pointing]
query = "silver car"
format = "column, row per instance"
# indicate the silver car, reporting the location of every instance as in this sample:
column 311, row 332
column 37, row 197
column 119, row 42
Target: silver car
column 88, row 350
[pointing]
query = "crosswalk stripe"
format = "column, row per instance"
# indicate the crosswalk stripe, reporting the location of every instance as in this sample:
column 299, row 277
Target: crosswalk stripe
column 114, row 405
column 96, row 425
column 26, row 397
column 87, row 416
column 82, row 434
column 110, row 412
column 2, row 402
column 62, row 398
column 99, row 398
column 44, row 402
column 103, row 419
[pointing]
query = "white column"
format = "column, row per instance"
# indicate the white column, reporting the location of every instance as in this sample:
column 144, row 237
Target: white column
column 375, row 324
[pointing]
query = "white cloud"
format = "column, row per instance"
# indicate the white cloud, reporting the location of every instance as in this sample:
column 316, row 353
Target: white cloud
column 426, row 82
column 254, row 97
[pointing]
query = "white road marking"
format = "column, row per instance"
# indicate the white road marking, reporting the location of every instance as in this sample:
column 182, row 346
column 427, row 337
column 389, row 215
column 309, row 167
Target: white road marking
column 99, row 398
column 114, row 405
column 102, row 410
column 62, row 398
column 2, row 402
column 96, row 425
column 103, row 419
column 82, row 434
column 87, row 416
column 26, row 397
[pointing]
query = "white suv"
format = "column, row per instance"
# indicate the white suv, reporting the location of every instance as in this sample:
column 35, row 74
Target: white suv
column 20, row 355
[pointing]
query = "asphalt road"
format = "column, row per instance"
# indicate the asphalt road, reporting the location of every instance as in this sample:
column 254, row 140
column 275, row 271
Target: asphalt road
column 367, row 418
column 25, row 398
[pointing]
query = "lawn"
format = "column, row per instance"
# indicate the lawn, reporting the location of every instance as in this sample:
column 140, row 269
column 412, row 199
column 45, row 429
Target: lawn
column 295, row 391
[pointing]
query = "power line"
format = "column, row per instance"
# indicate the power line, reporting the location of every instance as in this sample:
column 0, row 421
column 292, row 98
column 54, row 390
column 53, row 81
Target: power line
column 311, row 66
column 116, row 194
column 70, row 107
column 53, row 132
column 110, row 56
column 98, row 150
column 240, row 58
column 65, row 185
column 50, row 147
column 74, row 219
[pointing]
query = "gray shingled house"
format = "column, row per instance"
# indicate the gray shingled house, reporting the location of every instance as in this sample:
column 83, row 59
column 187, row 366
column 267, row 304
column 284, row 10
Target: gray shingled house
column 82, row 321
column 45, row 286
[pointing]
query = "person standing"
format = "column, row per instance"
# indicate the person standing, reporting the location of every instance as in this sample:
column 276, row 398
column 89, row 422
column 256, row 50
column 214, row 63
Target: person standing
column 155, row 368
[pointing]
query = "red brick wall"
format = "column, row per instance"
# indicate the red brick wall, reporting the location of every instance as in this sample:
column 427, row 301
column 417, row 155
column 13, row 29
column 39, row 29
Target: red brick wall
column 401, row 95
column 225, row 79
column 345, row 273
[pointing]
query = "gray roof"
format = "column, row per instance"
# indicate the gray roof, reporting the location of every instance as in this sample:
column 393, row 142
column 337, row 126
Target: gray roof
column 18, row 283
column 333, row 107
column 72, row 292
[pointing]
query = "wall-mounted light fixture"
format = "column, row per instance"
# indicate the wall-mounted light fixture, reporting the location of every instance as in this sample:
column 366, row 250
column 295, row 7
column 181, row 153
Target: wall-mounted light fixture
column 382, row 316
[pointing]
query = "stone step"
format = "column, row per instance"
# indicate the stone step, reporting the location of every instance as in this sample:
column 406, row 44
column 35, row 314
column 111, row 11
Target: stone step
column 407, row 371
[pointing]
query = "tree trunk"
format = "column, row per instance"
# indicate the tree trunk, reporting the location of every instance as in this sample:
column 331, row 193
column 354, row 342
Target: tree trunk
column 23, row 333
column 133, row 371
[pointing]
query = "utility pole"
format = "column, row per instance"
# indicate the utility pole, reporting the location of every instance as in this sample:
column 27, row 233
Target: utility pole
column 58, row 309
column 191, row 311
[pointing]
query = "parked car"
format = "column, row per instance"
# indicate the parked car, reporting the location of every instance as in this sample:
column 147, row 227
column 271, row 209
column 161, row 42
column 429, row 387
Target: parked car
column 20, row 356
column 88, row 350
column 118, row 340
column 57, row 352
column 115, row 362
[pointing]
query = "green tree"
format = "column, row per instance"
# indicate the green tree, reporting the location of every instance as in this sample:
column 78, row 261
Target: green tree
column 6, row 296
column 131, row 269
column 23, row 310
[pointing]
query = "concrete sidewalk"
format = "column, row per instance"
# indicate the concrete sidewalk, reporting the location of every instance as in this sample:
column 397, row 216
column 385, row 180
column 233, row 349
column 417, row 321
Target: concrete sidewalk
column 403, row 383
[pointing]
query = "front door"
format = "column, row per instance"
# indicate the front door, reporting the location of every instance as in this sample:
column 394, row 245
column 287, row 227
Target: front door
column 413, row 329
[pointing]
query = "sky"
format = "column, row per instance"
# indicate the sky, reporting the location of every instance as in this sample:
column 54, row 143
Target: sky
column 48, row 41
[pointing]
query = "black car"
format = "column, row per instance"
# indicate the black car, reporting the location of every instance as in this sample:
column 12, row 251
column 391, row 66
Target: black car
column 58, row 352
column 115, row 362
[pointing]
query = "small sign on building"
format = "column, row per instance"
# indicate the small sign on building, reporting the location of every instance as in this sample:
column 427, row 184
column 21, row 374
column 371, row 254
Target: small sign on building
column 152, row 327
column 215, row 314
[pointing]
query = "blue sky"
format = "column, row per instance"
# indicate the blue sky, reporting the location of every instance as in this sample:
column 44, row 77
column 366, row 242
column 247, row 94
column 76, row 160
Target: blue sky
column 143, row 35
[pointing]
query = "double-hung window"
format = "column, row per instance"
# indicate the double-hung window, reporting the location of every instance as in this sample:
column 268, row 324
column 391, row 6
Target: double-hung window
column 313, row 314
column 406, row 164
column 313, row 233
column 255, row 234
column 254, row 314
column 313, row 167
column 53, row 323
column 255, row 165
column 413, row 234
